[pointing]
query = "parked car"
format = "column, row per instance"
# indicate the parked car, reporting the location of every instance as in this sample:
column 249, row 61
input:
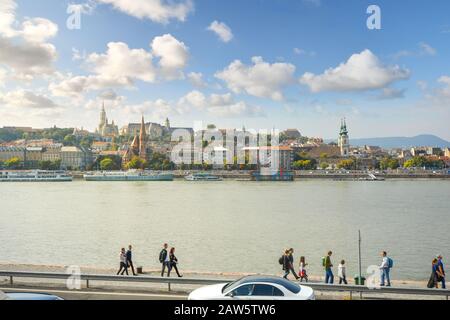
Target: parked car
column 254, row 288
column 28, row 296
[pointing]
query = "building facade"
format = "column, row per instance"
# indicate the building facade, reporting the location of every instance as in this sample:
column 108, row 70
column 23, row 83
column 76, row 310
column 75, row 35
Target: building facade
column 106, row 129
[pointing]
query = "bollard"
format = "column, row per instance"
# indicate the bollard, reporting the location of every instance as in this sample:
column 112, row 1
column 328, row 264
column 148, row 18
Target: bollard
column 11, row 281
column 87, row 284
column 169, row 287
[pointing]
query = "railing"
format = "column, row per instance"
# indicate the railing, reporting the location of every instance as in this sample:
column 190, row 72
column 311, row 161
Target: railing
column 89, row 278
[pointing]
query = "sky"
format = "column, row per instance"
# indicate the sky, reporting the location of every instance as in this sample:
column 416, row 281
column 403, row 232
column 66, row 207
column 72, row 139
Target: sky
column 261, row 64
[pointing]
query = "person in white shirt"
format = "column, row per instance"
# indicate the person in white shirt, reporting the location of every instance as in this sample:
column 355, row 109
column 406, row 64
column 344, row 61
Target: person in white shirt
column 123, row 262
column 342, row 273
column 384, row 268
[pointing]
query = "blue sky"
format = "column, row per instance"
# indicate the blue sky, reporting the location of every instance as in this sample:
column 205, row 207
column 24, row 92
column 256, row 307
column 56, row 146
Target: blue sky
column 389, row 82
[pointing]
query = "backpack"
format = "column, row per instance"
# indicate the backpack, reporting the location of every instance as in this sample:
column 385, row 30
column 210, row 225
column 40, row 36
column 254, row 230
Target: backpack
column 281, row 260
column 390, row 263
column 324, row 261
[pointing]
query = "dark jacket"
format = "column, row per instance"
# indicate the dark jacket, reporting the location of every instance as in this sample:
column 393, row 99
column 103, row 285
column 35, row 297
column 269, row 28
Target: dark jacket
column 129, row 255
column 162, row 255
column 286, row 262
column 173, row 259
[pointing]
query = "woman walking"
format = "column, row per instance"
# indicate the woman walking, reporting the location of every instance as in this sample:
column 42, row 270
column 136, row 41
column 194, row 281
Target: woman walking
column 123, row 262
column 302, row 271
column 173, row 263
column 342, row 273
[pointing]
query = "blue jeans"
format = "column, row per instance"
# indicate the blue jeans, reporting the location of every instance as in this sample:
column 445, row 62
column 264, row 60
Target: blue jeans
column 443, row 283
column 385, row 276
column 329, row 277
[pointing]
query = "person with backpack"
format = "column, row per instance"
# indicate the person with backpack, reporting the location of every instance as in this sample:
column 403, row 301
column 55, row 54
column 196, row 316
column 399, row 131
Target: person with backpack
column 173, row 263
column 164, row 259
column 326, row 263
column 288, row 263
column 385, row 268
column 433, row 283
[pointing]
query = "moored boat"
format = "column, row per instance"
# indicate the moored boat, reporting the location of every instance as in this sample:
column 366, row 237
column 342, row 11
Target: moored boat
column 34, row 176
column 128, row 176
column 202, row 177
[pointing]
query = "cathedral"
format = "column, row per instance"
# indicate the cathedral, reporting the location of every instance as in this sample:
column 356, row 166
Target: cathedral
column 343, row 140
column 106, row 129
column 138, row 147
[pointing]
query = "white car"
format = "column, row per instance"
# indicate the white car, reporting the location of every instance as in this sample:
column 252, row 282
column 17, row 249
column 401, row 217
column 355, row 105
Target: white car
column 254, row 288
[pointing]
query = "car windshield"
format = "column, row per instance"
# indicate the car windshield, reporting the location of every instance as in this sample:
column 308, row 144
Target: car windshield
column 233, row 285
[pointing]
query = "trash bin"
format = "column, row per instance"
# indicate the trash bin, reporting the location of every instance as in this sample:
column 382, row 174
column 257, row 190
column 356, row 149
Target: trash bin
column 360, row 281
column 139, row 270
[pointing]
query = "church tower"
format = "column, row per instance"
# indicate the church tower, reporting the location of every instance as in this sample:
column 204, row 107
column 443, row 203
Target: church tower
column 143, row 141
column 167, row 124
column 103, row 119
column 343, row 140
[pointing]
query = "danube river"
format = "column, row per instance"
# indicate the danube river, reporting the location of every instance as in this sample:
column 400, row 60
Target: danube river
column 228, row 226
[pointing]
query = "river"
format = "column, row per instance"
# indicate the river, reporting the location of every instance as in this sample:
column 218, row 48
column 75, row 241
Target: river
column 229, row 226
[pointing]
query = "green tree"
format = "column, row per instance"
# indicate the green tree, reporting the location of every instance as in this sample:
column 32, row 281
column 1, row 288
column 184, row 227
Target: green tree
column 137, row 163
column 389, row 163
column 70, row 140
column 347, row 164
column 107, row 164
column 304, row 165
column 13, row 163
column 324, row 165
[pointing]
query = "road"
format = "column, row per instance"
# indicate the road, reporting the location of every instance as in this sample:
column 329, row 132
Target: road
column 98, row 295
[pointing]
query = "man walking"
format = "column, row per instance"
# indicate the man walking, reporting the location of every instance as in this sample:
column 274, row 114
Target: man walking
column 329, row 276
column 385, row 269
column 130, row 260
column 440, row 268
column 164, row 259
column 288, row 264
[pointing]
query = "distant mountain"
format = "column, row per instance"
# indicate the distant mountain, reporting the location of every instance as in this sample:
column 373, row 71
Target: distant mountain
column 401, row 142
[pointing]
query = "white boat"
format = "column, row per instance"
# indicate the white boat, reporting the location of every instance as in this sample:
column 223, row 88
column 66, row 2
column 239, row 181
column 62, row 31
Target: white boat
column 202, row 177
column 34, row 176
column 128, row 176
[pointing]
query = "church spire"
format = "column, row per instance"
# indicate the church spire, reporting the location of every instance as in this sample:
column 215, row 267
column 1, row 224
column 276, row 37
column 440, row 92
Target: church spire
column 143, row 140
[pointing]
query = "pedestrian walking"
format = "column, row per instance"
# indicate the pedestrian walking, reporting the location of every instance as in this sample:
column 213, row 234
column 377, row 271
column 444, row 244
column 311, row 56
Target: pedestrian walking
column 302, row 270
column 433, row 283
column 130, row 259
column 288, row 265
column 441, row 271
column 326, row 263
column 173, row 263
column 385, row 268
column 342, row 274
column 123, row 262
column 164, row 259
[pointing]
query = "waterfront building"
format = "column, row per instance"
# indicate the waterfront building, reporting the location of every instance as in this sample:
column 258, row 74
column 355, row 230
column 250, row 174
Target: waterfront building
column 75, row 158
column 447, row 152
column 101, row 145
column 343, row 140
column 9, row 152
column 279, row 157
column 434, row 151
column 106, row 129
column 52, row 152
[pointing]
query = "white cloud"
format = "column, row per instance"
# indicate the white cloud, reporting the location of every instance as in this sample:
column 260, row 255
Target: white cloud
column 196, row 79
column 173, row 55
column 27, row 59
column 391, row 93
column 426, row 49
column 26, row 99
column 38, row 30
column 23, row 48
column 222, row 105
column 120, row 62
column 362, row 71
column 161, row 11
column 157, row 110
column 262, row 79
column 222, row 30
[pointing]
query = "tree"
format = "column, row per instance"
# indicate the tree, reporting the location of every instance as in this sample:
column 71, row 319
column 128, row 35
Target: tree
column 107, row 164
column 324, row 165
column 70, row 140
column 389, row 163
column 49, row 165
column 137, row 163
column 13, row 163
column 304, row 165
column 346, row 164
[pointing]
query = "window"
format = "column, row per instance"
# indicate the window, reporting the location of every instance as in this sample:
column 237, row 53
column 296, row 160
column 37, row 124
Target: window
column 244, row 290
column 266, row 290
